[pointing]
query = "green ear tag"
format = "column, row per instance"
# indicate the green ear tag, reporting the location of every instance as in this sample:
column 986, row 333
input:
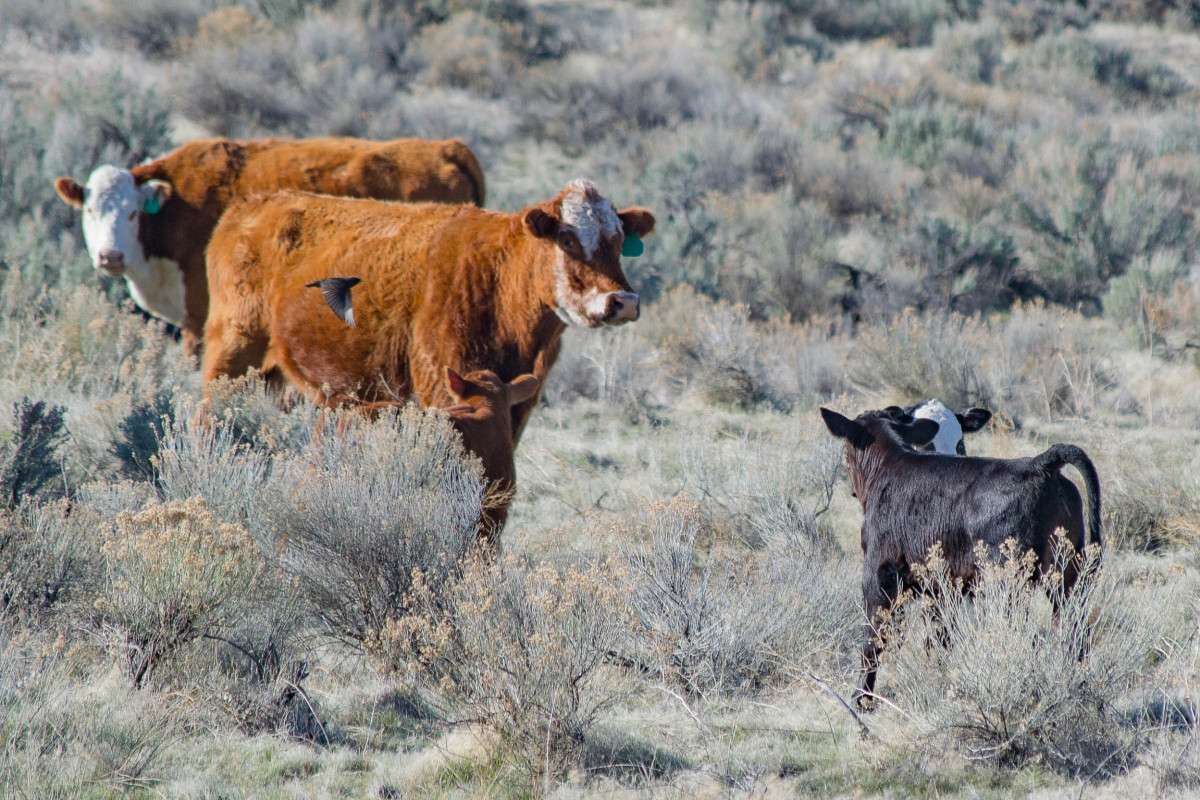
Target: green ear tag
column 632, row 247
column 151, row 204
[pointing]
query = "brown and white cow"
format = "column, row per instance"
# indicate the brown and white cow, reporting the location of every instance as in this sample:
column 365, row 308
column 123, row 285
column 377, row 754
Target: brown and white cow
column 482, row 415
column 441, row 286
column 152, row 223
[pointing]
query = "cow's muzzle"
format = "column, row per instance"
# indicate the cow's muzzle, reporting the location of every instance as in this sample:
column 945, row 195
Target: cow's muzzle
column 621, row 307
column 111, row 262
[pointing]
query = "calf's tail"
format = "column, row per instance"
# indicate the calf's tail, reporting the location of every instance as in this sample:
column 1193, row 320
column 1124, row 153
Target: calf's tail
column 1061, row 454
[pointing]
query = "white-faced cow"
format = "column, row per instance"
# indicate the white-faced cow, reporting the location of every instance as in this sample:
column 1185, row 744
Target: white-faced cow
column 152, row 223
column 442, row 286
column 913, row 500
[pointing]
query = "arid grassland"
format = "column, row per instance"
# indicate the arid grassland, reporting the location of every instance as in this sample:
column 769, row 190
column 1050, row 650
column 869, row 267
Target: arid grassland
column 992, row 202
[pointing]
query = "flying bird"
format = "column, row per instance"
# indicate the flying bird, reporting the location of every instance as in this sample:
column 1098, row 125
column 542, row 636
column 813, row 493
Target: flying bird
column 337, row 295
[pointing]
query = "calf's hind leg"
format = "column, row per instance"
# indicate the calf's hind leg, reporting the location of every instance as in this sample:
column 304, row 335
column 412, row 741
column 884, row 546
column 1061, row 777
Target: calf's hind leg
column 881, row 588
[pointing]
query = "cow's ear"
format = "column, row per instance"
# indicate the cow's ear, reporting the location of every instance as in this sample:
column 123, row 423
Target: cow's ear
column 973, row 419
column 637, row 221
column 895, row 412
column 541, row 224
column 919, row 432
column 522, row 387
column 70, row 191
column 154, row 194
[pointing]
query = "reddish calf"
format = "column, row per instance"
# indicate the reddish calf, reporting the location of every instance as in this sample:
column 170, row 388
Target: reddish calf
column 151, row 223
column 441, row 286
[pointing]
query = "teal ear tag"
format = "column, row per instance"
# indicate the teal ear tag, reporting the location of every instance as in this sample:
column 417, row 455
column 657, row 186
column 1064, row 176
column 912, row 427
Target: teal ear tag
column 632, row 247
column 151, row 204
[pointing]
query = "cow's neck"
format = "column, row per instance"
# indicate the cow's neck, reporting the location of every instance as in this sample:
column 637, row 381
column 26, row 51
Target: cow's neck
column 525, row 319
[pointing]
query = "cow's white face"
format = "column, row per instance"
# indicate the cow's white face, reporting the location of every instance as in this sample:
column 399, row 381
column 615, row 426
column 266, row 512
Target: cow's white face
column 113, row 207
column 590, row 288
column 112, row 204
column 949, row 437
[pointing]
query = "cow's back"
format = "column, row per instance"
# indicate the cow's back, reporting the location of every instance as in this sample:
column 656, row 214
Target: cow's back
column 266, row 250
column 211, row 174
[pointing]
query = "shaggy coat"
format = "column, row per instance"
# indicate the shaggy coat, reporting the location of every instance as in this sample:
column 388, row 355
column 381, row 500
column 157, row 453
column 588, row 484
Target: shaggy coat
column 913, row 500
column 442, row 286
column 152, row 223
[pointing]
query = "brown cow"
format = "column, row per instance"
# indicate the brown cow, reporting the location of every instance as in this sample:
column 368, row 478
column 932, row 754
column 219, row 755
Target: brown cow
column 152, row 223
column 481, row 415
column 442, row 286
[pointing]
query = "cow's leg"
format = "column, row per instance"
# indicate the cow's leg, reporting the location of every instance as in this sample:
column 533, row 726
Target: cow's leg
column 229, row 351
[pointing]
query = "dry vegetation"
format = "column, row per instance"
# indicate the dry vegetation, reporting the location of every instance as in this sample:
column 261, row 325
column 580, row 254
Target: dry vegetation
column 859, row 204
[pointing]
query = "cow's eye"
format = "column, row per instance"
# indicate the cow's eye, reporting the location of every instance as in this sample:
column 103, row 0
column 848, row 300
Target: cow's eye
column 567, row 240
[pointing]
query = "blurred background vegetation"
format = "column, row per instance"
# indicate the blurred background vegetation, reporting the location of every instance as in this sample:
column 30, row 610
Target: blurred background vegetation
column 859, row 204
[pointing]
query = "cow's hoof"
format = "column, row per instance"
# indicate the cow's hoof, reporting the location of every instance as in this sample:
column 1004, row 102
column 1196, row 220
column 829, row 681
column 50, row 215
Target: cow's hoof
column 865, row 702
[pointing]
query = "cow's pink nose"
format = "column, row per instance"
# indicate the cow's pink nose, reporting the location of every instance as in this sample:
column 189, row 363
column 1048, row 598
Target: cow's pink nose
column 623, row 307
column 111, row 259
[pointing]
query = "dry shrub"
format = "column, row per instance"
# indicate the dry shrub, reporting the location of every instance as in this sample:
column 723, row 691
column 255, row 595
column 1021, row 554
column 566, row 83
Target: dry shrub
column 726, row 621
column 175, row 574
column 1037, row 361
column 519, row 648
column 997, row 675
column 918, row 356
column 718, row 352
column 48, row 556
column 1048, row 362
column 1151, row 495
column 200, row 456
column 66, row 735
column 769, row 488
column 367, row 511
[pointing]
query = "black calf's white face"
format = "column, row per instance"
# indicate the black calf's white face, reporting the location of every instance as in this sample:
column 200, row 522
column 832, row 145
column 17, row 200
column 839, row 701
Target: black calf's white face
column 951, row 426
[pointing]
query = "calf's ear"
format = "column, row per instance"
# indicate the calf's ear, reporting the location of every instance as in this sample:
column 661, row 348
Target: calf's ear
column 637, row 221
column 541, row 224
column 458, row 386
column 841, row 427
column 895, row 412
column 973, row 419
column 919, row 432
column 522, row 387
column 70, row 191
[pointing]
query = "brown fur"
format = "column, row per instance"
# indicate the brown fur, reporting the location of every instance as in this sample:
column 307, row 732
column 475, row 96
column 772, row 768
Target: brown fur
column 208, row 176
column 441, row 286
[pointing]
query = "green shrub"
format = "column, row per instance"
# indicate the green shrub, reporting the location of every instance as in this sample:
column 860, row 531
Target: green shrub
column 366, row 512
column 29, row 460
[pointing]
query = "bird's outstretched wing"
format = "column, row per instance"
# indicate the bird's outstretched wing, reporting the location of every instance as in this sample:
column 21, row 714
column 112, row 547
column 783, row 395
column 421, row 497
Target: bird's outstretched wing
column 337, row 295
